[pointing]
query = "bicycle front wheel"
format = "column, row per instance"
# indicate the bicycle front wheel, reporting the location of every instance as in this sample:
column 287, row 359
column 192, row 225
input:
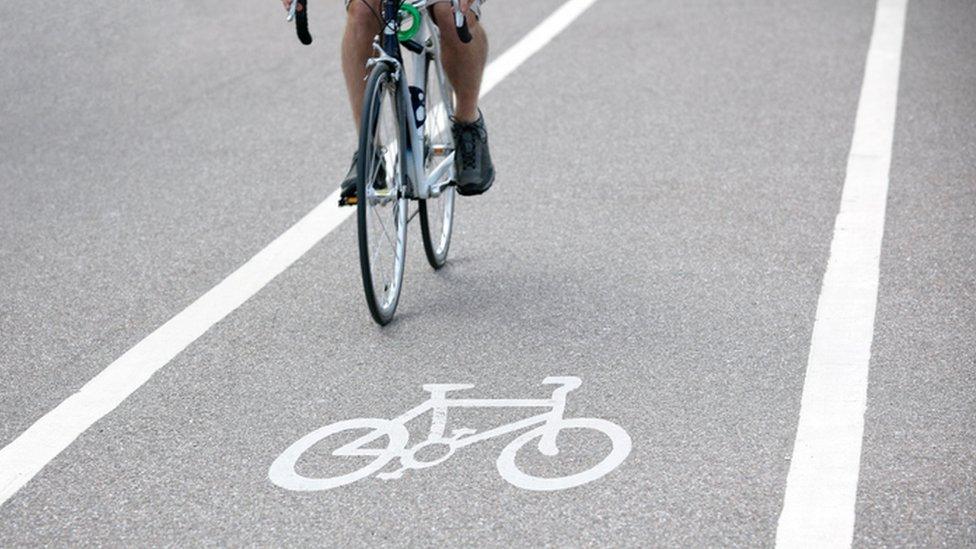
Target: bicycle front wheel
column 437, row 213
column 380, row 197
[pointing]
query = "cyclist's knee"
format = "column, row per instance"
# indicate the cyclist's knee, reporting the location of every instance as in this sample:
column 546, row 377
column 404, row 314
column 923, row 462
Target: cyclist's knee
column 442, row 12
column 360, row 15
column 444, row 17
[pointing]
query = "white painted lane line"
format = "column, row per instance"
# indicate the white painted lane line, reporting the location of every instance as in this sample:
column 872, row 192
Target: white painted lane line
column 26, row 455
column 821, row 488
column 533, row 42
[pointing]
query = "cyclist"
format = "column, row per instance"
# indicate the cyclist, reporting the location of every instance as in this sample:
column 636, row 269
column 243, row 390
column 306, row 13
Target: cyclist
column 464, row 65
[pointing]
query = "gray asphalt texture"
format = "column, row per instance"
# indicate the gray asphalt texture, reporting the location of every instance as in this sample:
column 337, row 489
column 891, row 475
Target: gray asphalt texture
column 668, row 181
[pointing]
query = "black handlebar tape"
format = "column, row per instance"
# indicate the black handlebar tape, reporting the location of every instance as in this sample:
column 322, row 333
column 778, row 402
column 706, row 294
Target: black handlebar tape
column 301, row 23
column 463, row 33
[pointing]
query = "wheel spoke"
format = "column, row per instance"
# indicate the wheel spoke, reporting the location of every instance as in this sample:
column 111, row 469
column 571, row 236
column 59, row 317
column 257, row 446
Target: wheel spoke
column 374, row 171
column 387, row 278
column 383, row 227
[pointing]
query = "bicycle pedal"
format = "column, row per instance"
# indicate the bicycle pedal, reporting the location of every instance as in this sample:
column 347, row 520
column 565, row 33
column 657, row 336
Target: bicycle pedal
column 348, row 201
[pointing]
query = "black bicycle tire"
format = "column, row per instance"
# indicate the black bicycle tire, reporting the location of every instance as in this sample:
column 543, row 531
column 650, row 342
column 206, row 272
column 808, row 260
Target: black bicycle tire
column 429, row 249
column 369, row 118
column 434, row 261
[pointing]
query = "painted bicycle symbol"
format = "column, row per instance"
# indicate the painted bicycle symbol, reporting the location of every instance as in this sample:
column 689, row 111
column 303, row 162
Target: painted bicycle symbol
column 544, row 427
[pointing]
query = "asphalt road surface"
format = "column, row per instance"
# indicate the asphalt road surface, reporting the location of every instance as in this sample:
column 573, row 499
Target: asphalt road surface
column 669, row 177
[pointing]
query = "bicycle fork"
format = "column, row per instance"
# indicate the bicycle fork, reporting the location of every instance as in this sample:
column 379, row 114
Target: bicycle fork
column 547, row 444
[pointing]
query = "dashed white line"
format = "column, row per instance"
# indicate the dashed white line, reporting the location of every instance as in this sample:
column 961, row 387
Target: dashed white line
column 26, row 455
column 821, row 488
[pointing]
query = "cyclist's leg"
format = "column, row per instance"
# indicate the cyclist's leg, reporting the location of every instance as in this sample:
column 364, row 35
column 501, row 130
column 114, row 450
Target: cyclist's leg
column 362, row 25
column 463, row 63
column 357, row 47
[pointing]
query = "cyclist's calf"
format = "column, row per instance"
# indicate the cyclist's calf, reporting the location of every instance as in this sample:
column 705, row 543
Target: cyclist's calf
column 463, row 63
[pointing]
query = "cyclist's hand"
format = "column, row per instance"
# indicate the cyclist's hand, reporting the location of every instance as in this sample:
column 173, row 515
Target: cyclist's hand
column 465, row 5
column 287, row 4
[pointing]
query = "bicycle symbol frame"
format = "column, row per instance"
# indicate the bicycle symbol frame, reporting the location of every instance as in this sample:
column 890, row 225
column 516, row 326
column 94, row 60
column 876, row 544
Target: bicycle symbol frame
column 545, row 426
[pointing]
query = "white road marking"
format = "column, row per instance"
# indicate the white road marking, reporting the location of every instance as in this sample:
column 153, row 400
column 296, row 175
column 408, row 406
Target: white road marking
column 821, row 488
column 26, row 455
column 547, row 425
column 533, row 42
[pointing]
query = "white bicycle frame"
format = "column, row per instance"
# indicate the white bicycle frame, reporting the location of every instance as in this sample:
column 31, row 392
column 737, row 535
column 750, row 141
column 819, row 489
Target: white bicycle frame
column 429, row 38
column 438, row 403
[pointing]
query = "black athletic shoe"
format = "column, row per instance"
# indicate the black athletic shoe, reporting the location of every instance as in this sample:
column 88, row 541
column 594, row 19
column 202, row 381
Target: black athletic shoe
column 348, row 185
column 472, row 161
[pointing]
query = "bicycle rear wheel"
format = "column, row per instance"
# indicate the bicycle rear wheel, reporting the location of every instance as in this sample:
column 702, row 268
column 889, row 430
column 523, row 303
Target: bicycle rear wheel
column 380, row 199
column 437, row 213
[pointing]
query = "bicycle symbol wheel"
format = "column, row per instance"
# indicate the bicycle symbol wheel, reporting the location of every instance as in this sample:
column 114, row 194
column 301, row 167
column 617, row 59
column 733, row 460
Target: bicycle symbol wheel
column 619, row 440
column 283, row 473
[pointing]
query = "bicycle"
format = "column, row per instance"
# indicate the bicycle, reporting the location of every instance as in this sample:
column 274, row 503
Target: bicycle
column 547, row 426
column 406, row 149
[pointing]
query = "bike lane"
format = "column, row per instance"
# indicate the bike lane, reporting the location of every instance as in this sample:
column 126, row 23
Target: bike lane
column 661, row 234
column 918, row 467
column 122, row 207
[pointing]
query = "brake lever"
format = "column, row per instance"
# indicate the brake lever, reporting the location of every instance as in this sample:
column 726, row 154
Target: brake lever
column 460, row 22
column 301, row 20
